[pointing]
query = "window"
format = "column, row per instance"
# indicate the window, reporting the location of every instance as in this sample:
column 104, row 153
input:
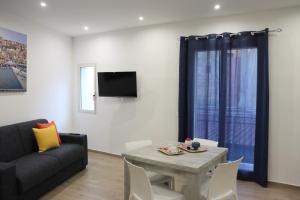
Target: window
column 240, row 108
column 87, row 88
column 206, row 105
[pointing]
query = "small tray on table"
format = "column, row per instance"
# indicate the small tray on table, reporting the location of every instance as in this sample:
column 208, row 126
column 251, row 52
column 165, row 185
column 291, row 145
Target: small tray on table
column 166, row 152
column 189, row 149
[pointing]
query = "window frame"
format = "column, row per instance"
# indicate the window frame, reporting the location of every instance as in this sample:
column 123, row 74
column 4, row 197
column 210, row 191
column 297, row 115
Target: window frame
column 80, row 66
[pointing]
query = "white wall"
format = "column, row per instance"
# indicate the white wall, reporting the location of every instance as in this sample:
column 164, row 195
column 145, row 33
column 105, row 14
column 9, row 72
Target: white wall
column 49, row 83
column 153, row 52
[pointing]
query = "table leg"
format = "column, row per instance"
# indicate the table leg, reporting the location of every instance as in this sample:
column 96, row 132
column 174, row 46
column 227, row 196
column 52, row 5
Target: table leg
column 224, row 159
column 126, row 182
column 191, row 189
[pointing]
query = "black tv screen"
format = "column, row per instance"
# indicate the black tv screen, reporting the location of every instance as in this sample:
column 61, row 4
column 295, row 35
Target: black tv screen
column 117, row 84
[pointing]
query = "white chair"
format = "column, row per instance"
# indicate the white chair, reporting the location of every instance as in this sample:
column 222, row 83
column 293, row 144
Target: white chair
column 154, row 177
column 205, row 142
column 208, row 143
column 141, row 188
column 222, row 185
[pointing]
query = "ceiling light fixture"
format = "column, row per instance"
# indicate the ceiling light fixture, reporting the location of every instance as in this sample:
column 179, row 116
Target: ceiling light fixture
column 217, row 7
column 43, row 4
column 141, row 18
column 86, row 28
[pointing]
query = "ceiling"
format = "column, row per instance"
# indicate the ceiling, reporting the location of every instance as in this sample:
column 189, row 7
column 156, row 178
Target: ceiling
column 70, row 16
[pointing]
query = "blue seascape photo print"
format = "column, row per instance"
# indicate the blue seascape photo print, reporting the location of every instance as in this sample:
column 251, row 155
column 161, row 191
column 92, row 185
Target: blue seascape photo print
column 13, row 60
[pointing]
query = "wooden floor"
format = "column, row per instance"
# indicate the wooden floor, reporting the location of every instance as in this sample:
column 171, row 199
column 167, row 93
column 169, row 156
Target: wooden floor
column 103, row 180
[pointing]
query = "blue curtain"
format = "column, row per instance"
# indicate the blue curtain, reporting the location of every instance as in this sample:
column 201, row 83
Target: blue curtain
column 223, row 96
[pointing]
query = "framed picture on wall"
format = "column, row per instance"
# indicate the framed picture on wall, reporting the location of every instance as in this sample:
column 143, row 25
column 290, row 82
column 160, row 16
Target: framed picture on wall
column 13, row 61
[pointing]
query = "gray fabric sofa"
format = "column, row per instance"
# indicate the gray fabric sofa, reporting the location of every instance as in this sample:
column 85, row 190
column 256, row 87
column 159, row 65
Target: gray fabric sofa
column 26, row 174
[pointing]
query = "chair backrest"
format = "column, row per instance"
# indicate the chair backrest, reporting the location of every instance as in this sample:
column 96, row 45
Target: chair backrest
column 223, row 181
column 130, row 146
column 140, row 186
column 205, row 142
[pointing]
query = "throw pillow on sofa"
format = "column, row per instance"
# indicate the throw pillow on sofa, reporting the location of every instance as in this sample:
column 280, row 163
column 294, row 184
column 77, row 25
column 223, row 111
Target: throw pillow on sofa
column 40, row 125
column 46, row 138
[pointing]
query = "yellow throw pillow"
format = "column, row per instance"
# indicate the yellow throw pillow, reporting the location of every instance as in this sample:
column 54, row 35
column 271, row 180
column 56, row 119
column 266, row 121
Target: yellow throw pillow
column 46, row 138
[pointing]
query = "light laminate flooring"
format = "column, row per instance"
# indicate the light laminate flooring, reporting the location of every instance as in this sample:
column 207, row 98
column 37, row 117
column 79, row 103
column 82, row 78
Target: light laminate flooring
column 103, row 180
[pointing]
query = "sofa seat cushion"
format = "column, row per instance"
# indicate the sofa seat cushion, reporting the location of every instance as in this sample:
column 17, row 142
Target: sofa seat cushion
column 35, row 168
column 66, row 154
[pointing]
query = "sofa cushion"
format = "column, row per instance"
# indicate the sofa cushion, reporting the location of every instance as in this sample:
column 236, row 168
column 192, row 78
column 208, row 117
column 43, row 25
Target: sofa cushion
column 11, row 146
column 66, row 154
column 27, row 136
column 33, row 169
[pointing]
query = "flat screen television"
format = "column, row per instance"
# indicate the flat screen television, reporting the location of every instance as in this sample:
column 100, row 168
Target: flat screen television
column 117, row 84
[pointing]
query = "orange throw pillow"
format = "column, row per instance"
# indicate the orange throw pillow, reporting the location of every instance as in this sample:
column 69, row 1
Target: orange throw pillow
column 41, row 126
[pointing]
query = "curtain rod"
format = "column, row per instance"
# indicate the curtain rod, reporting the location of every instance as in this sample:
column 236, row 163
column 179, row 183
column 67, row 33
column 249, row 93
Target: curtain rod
column 234, row 34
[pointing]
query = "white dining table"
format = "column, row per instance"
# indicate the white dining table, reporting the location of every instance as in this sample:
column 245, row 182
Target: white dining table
column 191, row 167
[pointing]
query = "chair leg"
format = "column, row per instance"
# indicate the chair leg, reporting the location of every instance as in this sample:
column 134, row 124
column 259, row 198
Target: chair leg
column 171, row 183
column 134, row 197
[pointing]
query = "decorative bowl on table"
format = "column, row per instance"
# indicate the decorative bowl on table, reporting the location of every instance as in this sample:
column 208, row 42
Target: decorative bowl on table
column 196, row 145
column 188, row 141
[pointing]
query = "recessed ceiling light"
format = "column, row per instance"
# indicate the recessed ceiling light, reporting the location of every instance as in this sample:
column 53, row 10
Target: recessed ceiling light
column 141, row 18
column 86, row 28
column 217, row 6
column 43, row 4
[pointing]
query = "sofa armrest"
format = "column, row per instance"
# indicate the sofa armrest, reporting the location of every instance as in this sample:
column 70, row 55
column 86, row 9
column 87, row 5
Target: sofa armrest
column 80, row 139
column 8, row 181
column 74, row 138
